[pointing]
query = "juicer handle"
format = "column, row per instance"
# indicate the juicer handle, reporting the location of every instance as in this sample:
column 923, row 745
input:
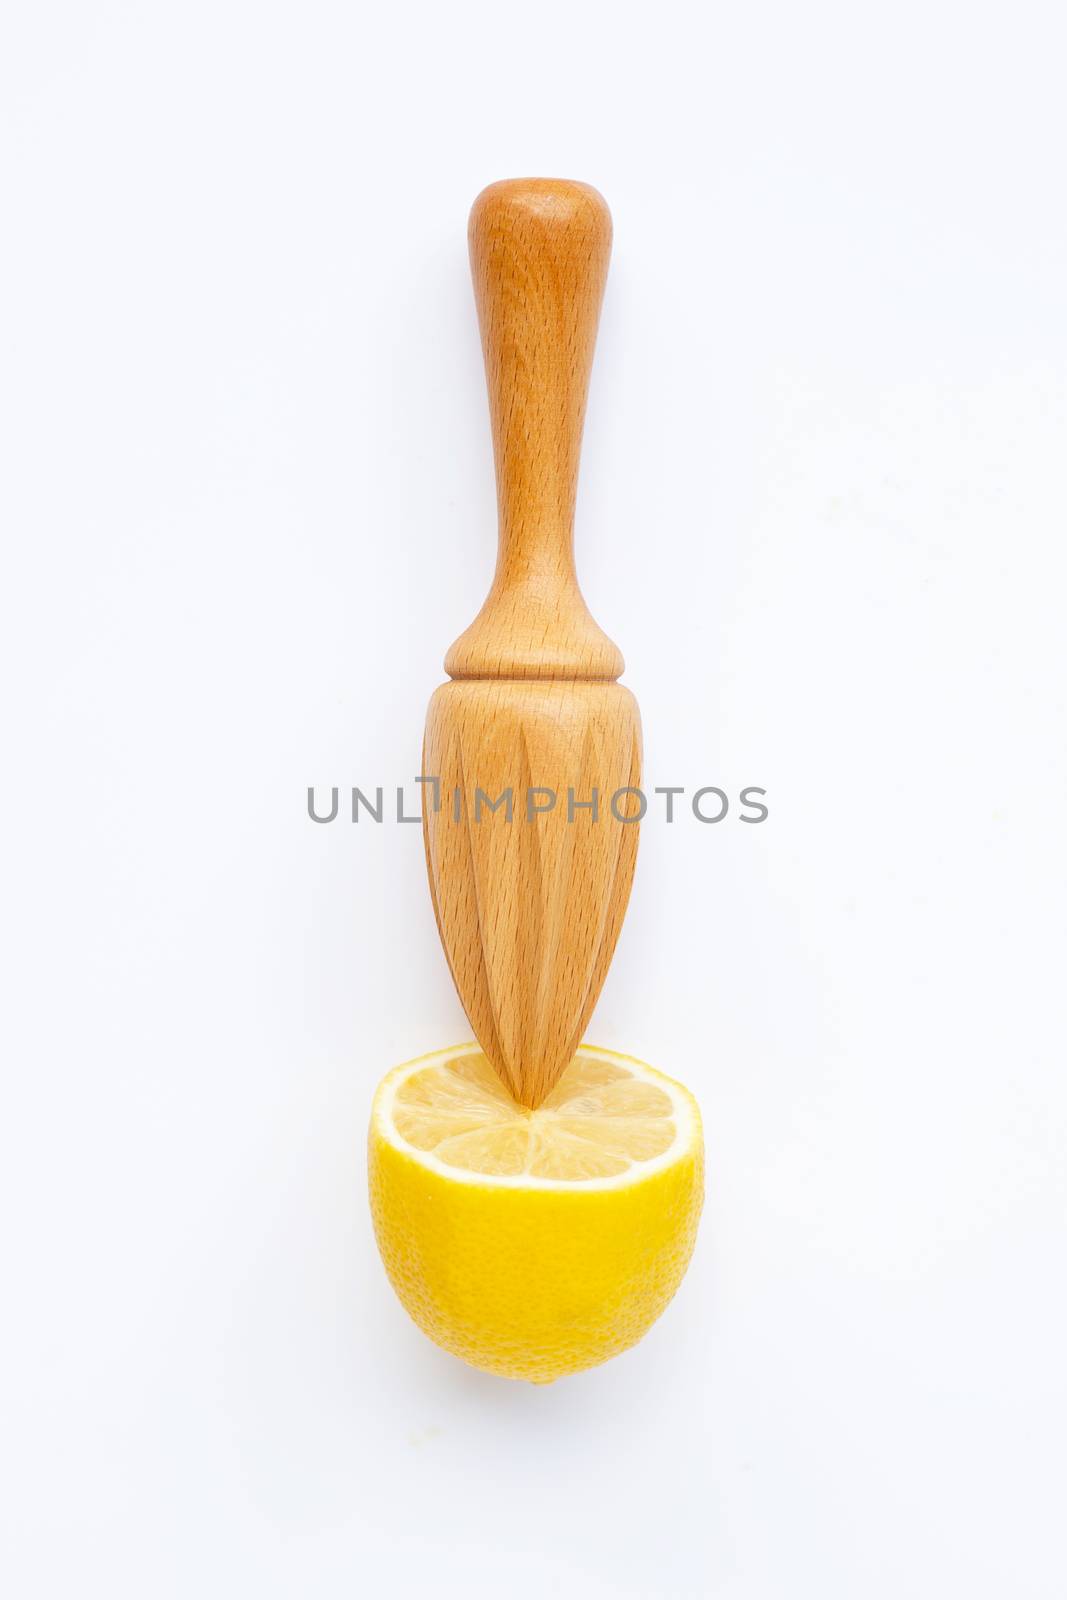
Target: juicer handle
column 539, row 252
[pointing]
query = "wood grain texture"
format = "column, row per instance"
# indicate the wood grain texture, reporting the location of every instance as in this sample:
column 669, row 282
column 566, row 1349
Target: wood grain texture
column 529, row 905
column 539, row 257
column 530, row 897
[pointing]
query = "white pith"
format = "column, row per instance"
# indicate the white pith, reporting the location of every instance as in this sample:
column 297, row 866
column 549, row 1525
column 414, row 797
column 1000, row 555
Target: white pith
column 682, row 1115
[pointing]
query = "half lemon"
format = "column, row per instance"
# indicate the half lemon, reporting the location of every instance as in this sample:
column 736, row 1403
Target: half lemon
column 534, row 1243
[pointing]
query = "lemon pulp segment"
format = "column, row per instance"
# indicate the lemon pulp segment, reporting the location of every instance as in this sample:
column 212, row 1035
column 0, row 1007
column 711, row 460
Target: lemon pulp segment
column 598, row 1120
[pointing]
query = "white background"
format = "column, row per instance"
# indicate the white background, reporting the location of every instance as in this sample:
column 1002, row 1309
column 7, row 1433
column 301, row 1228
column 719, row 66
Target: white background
column 247, row 502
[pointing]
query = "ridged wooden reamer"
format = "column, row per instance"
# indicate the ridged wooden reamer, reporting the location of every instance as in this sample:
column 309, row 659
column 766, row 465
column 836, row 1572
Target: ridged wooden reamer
column 531, row 846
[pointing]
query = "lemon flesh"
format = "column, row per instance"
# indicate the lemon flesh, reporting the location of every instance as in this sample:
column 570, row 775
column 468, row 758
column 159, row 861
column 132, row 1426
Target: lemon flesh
column 534, row 1243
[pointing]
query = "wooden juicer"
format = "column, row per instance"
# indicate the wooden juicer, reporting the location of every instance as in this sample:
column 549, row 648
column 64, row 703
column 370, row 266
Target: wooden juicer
column 531, row 832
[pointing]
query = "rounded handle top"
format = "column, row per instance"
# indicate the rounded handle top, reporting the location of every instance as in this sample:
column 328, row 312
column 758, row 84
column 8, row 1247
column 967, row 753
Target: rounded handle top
column 557, row 206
